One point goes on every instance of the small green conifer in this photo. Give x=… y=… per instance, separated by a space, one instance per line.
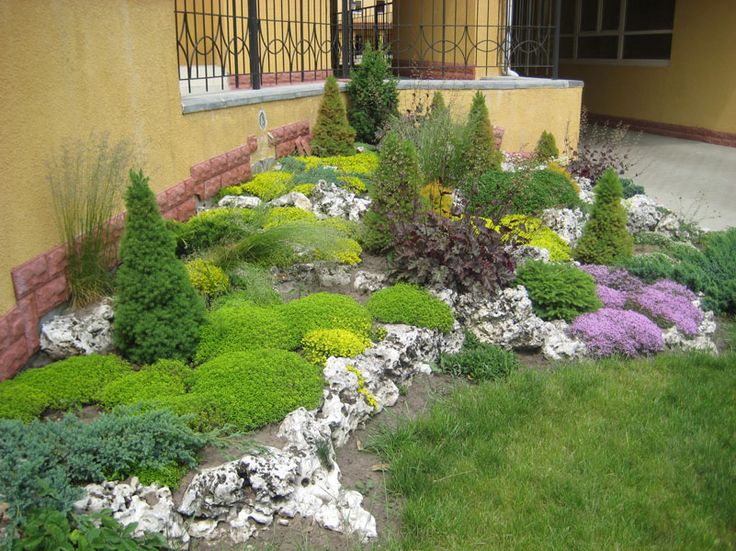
x=332 y=135
x=479 y=153
x=546 y=149
x=606 y=240
x=157 y=311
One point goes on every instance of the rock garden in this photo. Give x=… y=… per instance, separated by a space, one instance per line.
x=308 y=298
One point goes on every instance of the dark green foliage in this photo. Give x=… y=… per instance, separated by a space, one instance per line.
x=558 y=291
x=372 y=94
x=211 y=228
x=326 y=311
x=292 y=164
x=76 y=381
x=479 y=361
x=169 y=475
x=522 y=192
x=332 y=134
x=463 y=255
x=245 y=327
x=630 y=188
x=650 y=267
x=546 y=149
x=478 y=153
x=49 y=530
x=410 y=305
x=157 y=311
x=160 y=380
x=652 y=238
x=395 y=192
x=41 y=461
x=314 y=175
x=606 y=240
x=250 y=389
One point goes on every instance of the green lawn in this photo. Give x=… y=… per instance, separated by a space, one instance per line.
x=608 y=455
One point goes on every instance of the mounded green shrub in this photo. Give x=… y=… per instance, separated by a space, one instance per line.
x=605 y=239
x=360 y=164
x=245 y=327
x=61 y=385
x=266 y=185
x=373 y=97
x=157 y=311
x=332 y=134
x=521 y=192
x=546 y=147
x=478 y=361
x=630 y=188
x=41 y=461
x=250 y=389
x=284 y=215
x=210 y=228
x=478 y=149
x=320 y=344
x=558 y=291
x=326 y=311
x=395 y=192
x=411 y=305
x=209 y=280
x=163 y=379
x=650 y=267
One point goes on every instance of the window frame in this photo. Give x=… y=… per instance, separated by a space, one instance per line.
x=621 y=33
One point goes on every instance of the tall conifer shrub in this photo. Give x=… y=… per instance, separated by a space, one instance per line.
x=157 y=311
x=332 y=134
x=478 y=153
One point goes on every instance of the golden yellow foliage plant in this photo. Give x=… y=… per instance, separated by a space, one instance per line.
x=553 y=166
x=439 y=198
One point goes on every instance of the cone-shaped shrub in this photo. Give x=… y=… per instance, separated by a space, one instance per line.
x=395 y=191
x=605 y=238
x=332 y=134
x=479 y=153
x=438 y=106
x=157 y=311
x=546 y=147
x=373 y=96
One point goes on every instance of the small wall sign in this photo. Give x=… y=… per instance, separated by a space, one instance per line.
x=262 y=120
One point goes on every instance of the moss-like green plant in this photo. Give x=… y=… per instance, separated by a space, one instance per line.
x=395 y=192
x=478 y=149
x=304 y=189
x=353 y=183
x=267 y=185
x=332 y=134
x=552 y=166
x=362 y=389
x=411 y=305
x=605 y=239
x=372 y=93
x=363 y=164
x=546 y=147
x=61 y=385
x=250 y=389
x=320 y=344
x=528 y=230
x=152 y=383
x=245 y=327
x=326 y=311
x=209 y=280
x=558 y=291
x=278 y=216
x=157 y=311
x=345 y=251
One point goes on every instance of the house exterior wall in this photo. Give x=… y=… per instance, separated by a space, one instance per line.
x=696 y=90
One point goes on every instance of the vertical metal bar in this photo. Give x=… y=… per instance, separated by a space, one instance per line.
x=334 y=39
x=302 y=42
x=556 y=45
x=346 y=17
x=234 y=53
x=253 y=39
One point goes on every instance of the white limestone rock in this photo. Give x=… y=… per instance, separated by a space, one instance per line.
x=675 y=339
x=333 y=275
x=292 y=199
x=644 y=213
x=331 y=201
x=560 y=345
x=368 y=282
x=505 y=319
x=524 y=253
x=88 y=331
x=567 y=223
x=586 y=189
x=239 y=202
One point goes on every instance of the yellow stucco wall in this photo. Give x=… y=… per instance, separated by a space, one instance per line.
x=523 y=114
x=697 y=88
x=72 y=67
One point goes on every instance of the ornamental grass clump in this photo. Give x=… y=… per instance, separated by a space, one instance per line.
x=332 y=133
x=558 y=291
x=211 y=228
x=410 y=305
x=479 y=361
x=610 y=331
x=157 y=311
x=606 y=239
x=669 y=303
x=320 y=344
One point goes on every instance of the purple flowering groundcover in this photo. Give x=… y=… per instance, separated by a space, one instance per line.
x=615 y=331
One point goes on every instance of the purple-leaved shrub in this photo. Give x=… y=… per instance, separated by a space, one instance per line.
x=614 y=331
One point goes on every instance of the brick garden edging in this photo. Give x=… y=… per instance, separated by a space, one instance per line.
x=292 y=138
x=41 y=284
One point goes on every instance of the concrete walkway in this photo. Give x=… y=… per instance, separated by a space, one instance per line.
x=694 y=179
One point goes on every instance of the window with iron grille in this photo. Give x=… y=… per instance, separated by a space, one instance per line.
x=617 y=30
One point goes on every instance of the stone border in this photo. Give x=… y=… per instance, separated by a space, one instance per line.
x=291 y=138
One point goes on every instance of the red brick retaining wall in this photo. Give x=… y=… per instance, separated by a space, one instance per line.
x=292 y=138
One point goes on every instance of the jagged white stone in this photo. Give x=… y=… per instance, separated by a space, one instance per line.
x=292 y=199
x=676 y=339
x=239 y=202
x=88 y=331
x=560 y=345
x=368 y=282
x=567 y=223
x=330 y=200
x=644 y=213
x=523 y=253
